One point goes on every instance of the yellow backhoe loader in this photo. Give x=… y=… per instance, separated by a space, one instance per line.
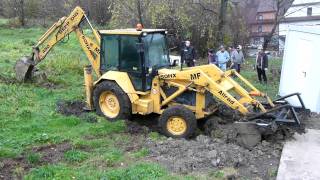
x=134 y=76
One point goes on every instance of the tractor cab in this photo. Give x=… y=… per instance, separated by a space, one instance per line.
x=140 y=53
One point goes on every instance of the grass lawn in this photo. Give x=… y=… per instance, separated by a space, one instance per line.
x=28 y=118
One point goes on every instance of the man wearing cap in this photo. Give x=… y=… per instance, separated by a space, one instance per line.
x=223 y=57
x=188 y=54
x=237 y=58
x=262 y=64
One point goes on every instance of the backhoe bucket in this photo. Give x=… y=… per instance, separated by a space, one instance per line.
x=24 y=69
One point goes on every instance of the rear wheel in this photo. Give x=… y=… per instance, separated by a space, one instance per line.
x=111 y=101
x=178 y=122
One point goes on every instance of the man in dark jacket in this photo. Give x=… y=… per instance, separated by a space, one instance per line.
x=262 y=64
x=188 y=54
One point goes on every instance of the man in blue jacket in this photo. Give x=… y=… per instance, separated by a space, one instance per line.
x=223 y=57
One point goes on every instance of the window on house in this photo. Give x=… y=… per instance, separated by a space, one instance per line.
x=260 y=17
x=309 y=11
x=260 y=28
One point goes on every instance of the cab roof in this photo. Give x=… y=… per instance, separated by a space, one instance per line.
x=130 y=31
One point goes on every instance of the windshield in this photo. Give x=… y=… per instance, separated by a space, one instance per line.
x=156 y=51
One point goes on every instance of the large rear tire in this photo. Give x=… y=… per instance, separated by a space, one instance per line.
x=111 y=101
x=178 y=122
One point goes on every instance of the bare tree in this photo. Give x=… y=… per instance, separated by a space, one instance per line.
x=281 y=7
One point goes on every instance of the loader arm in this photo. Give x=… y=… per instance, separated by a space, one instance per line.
x=62 y=29
x=220 y=84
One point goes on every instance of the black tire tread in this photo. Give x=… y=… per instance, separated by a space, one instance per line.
x=124 y=101
x=180 y=111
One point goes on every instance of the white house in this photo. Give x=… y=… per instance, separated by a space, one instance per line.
x=302 y=13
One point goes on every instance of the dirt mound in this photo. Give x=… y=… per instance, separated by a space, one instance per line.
x=76 y=108
x=69 y=108
x=205 y=154
x=15 y=168
x=133 y=127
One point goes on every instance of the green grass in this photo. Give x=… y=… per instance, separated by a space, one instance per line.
x=272 y=87
x=75 y=156
x=28 y=117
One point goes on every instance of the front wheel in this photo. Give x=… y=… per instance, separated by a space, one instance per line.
x=111 y=101
x=178 y=122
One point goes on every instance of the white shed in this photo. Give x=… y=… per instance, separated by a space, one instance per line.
x=301 y=66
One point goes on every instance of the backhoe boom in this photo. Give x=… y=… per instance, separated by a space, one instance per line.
x=61 y=29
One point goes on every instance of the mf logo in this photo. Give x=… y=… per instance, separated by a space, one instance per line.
x=195 y=76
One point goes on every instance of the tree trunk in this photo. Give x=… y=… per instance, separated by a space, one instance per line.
x=139 y=12
x=21 y=13
x=222 y=18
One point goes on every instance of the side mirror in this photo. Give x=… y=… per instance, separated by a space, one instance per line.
x=140 y=47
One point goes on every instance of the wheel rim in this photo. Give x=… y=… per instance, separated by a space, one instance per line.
x=109 y=104
x=176 y=125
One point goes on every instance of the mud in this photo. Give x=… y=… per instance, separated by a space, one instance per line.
x=44 y=84
x=135 y=128
x=204 y=154
x=219 y=149
x=7 y=80
x=16 y=168
x=74 y=108
x=313 y=122
x=52 y=153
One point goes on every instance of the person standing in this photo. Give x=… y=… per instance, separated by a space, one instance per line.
x=223 y=58
x=188 y=54
x=262 y=64
x=212 y=58
x=237 y=58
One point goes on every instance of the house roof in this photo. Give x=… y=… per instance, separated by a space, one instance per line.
x=301 y=19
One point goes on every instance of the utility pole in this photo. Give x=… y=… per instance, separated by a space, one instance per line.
x=222 y=20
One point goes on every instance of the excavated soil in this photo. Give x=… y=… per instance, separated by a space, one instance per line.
x=15 y=168
x=205 y=154
x=313 y=122
x=74 y=108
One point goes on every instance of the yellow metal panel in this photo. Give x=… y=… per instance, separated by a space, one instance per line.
x=123 y=80
x=200 y=104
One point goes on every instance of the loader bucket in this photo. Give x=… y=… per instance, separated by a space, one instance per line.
x=24 y=69
x=248 y=134
x=281 y=115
